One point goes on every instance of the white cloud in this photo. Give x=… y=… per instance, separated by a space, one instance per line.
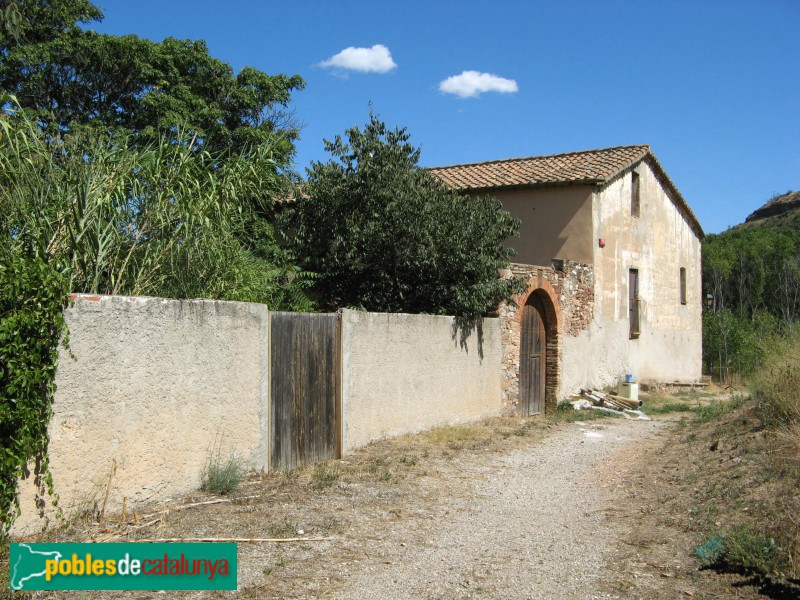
x=377 y=59
x=474 y=83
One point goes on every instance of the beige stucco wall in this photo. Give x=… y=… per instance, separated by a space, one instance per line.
x=407 y=373
x=657 y=243
x=556 y=223
x=153 y=385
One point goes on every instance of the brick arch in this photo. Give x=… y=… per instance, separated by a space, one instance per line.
x=544 y=290
x=547 y=292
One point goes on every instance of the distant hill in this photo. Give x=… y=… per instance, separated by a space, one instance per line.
x=781 y=213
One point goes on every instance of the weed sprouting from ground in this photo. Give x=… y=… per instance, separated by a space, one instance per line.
x=715 y=409
x=670 y=408
x=709 y=412
x=283 y=529
x=411 y=461
x=222 y=474
x=454 y=435
x=379 y=470
x=565 y=413
x=324 y=475
x=459 y=437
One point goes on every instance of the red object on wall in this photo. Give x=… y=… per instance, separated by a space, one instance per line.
x=602 y=243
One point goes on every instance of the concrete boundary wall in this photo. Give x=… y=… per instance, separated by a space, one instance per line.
x=153 y=387
x=407 y=373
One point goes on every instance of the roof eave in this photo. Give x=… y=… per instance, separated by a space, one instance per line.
x=536 y=185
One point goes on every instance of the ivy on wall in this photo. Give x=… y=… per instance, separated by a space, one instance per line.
x=33 y=296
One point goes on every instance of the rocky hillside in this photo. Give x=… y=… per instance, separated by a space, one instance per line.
x=782 y=212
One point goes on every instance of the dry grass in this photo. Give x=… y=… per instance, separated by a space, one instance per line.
x=719 y=475
x=790 y=443
x=737 y=481
x=776 y=384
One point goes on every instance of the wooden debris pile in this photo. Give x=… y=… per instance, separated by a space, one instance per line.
x=612 y=403
x=598 y=398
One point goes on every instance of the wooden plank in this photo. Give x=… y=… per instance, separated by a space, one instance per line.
x=305 y=395
x=525 y=351
x=533 y=353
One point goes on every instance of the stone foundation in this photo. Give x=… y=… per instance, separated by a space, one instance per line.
x=567 y=290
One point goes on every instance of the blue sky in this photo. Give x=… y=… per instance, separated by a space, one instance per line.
x=712 y=85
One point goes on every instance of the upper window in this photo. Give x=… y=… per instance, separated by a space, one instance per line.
x=634 y=193
x=683 y=285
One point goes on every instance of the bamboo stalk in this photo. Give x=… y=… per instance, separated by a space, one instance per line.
x=628 y=402
x=108 y=487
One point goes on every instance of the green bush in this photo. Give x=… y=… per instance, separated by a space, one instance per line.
x=746 y=549
x=33 y=296
x=730 y=340
x=222 y=475
x=385 y=235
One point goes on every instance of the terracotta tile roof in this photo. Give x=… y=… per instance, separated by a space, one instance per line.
x=588 y=167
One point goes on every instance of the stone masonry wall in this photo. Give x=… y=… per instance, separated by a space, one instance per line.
x=569 y=287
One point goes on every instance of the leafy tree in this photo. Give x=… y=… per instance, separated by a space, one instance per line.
x=754 y=277
x=752 y=270
x=68 y=76
x=717 y=268
x=385 y=235
x=733 y=341
x=787 y=286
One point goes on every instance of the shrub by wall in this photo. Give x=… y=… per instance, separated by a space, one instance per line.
x=33 y=296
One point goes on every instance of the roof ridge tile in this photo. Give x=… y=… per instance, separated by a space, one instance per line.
x=541 y=156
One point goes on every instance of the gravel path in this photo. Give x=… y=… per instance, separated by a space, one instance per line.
x=528 y=524
x=522 y=514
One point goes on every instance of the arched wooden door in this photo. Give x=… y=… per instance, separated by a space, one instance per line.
x=532 y=357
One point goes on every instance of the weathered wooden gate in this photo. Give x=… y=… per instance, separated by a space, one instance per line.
x=305 y=410
x=533 y=357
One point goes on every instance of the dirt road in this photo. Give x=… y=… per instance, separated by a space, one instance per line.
x=508 y=508
x=527 y=524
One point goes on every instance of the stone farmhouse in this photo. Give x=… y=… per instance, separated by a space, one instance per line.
x=612 y=253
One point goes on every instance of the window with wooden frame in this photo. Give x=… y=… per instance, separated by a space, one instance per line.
x=633 y=302
x=683 y=285
x=635 y=201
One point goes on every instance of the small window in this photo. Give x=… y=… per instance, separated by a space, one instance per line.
x=683 y=285
x=633 y=302
x=634 y=194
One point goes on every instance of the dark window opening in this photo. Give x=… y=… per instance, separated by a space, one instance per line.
x=633 y=302
x=683 y=285
x=634 y=193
